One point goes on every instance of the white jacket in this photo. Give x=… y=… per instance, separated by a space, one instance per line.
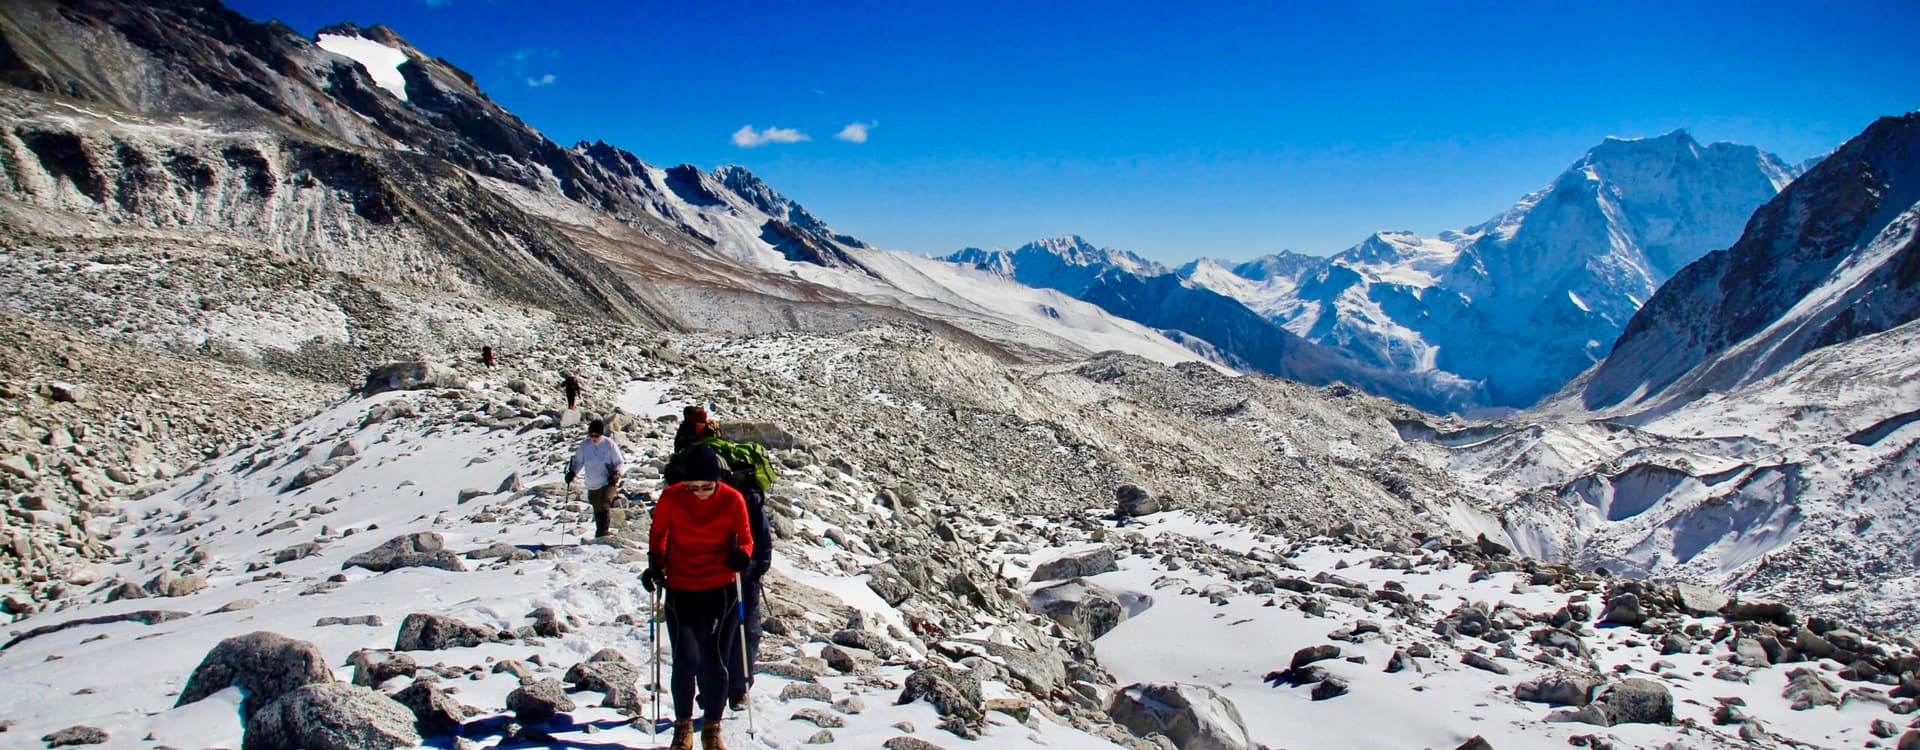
x=596 y=461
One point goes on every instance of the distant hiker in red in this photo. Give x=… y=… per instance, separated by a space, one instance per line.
x=694 y=425
x=699 y=543
x=599 y=457
x=571 y=386
x=486 y=355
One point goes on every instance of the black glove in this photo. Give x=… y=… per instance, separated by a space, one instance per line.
x=738 y=560
x=652 y=578
x=570 y=475
x=759 y=569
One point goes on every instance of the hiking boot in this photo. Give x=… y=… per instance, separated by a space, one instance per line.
x=682 y=735
x=737 y=702
x=710 y=737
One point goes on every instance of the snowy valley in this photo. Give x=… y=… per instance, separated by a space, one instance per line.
x=1024 y=498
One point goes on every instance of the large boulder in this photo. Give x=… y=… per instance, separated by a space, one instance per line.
x=1558 y=689
x=422 y=550
x=951 y=692
x=374 y=666
x=539 y=701
x=609 y=673
x=1773 y=612
x=1699 y=601
x=264 y=665
x=1807 y=689
x=1129 y=500
x=428 y=632
x=1194 y=717
x=1042 y=675
x=333 y=716
x=411 y=376
x=1080 y=605
x=313 y=474
x=1635 y=701
x=1625 y=609
x=435 y=711
x=171 y=584
x=1077 y=565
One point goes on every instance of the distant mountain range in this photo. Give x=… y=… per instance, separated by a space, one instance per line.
x=1495 y=315
x=1757 y=424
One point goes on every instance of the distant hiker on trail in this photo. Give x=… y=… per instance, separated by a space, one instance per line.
x=571 y=386
x=693 y=426
x=599 y=457
x=699 y=544
x=486 y=356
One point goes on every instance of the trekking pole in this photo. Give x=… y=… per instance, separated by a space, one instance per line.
x=653 y=635
x=746 y=669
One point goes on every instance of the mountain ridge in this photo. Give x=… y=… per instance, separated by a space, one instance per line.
x=1579 y=255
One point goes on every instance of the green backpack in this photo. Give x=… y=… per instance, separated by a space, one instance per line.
x=748 y=464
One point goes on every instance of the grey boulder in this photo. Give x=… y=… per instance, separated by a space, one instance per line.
x=264 y=665
x=539 y=701
x=427 y=632
x=422 y=550
x=411 y=376
x=1077 y=565
x=1635 y=701
x=1080 y=605
x=333 y=716
x=1194 y=717
x=1558 y=689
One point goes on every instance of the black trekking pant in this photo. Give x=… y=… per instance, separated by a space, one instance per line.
x=741 y=675
x=602 y=502
x=702 y=626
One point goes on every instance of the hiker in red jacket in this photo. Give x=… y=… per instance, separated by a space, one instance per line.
x=699 y=543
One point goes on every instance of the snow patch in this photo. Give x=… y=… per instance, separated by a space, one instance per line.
x=381 y=61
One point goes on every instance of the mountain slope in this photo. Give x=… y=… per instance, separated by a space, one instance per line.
x=1833 y=258
x=368 y=158
x=1522 y=303
x=1757 y=425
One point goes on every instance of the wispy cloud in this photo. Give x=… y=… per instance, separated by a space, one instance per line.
x=747 y=137
x=545 y=80
x=855 y=132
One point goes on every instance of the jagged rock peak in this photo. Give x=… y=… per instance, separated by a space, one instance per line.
x=749 y=186
x=1284 y=264
x=744 y=183
x=1077 y=251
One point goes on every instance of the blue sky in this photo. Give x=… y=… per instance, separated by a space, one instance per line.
x=1225 y=130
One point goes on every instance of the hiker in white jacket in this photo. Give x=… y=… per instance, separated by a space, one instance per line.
x=599 y=458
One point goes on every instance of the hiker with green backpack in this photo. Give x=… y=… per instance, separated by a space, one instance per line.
x=750 y=471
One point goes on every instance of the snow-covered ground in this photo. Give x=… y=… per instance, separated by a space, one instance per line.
x=1205 y=608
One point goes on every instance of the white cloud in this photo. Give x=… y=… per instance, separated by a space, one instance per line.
x=545 y=80
x=855 y=132
x=745 y=137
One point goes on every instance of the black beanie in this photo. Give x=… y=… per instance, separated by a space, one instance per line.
x=705 y=466
x=596 y=427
